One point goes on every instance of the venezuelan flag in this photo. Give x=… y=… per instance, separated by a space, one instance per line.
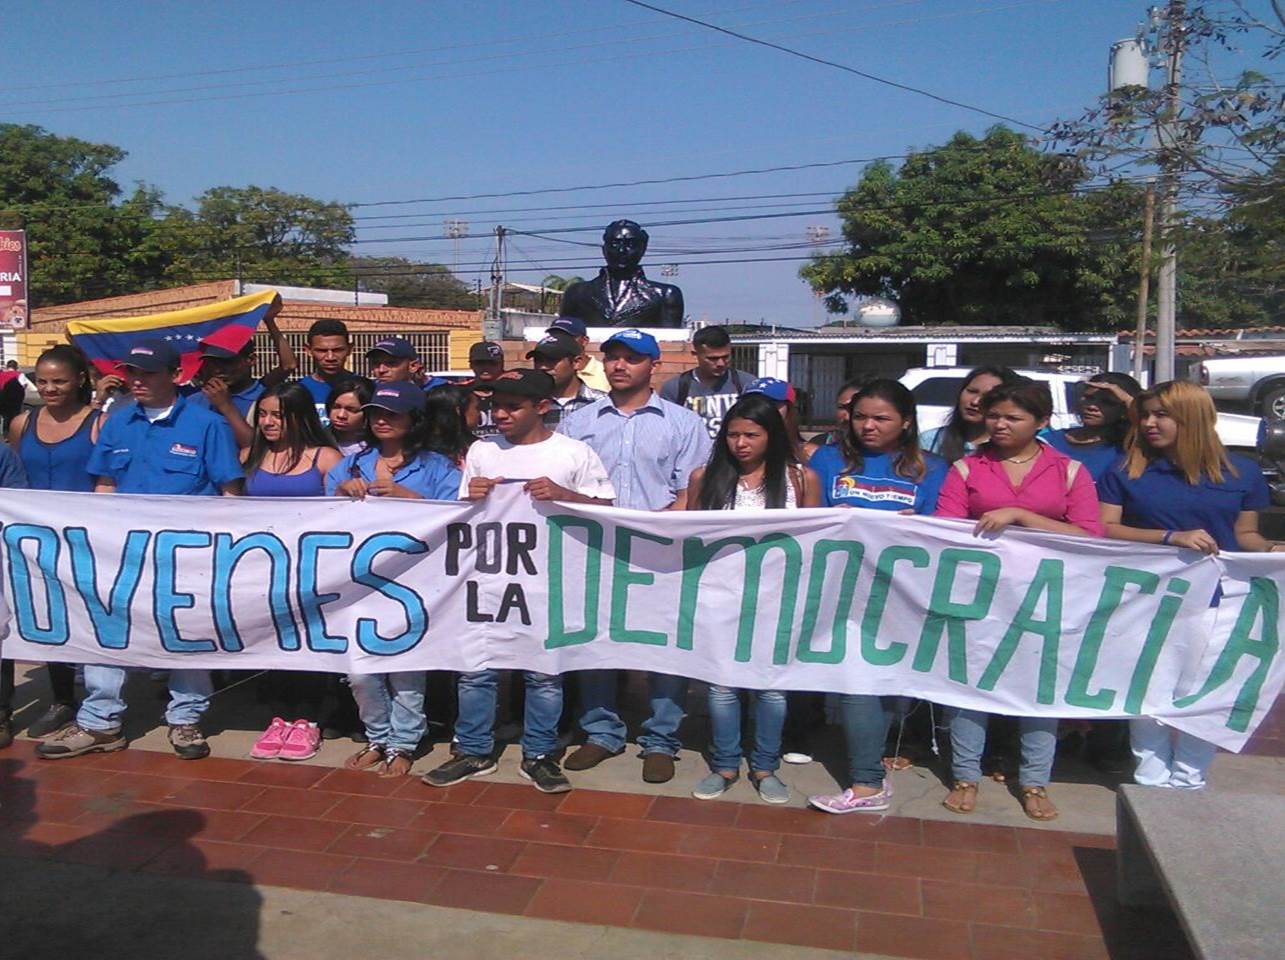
x=227 y=323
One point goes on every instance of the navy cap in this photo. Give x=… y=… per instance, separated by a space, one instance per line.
x=556 y=346
x=401 y=396
x=152 y=356
x=523 y=383
x=572 y=325
x=399 y=348
x=637 y=341
x=772 y=388
x=485 y=351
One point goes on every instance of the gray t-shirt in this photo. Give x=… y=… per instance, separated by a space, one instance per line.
x=709 y=403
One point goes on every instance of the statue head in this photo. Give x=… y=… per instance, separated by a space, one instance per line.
x=623 y=245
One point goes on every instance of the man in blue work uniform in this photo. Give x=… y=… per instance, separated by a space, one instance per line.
x=158 y=443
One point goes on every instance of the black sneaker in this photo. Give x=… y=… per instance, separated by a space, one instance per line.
x=545 y=775
x=188 y=741
x=458 y=769
x=55 y=718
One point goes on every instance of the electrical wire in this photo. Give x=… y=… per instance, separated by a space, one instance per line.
x=838 y=66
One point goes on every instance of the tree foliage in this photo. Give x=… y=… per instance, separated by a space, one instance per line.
x=88 y=239
x=412 y=284
x=988 y=231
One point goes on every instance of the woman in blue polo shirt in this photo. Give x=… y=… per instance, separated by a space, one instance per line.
x=54 y=444
x=1178 y=486
x=1098 y=442
x=877 y=465
x=394 y=463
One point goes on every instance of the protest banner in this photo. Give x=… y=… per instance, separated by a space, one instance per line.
x=832 y=600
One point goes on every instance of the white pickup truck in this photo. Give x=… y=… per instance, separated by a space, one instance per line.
x=1255 y=380
x=936 y=389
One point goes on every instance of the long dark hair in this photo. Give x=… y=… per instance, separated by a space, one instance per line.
x=909 y=458
x=418 y=439
x=953 y=442
x=1114 y=431
x=301 y=427
x=451 y=436
x=718 y=490
x=75 y=361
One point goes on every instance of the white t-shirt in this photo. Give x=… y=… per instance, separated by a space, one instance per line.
x=566 y=461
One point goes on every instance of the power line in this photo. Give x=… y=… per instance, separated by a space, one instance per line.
x=838 y=66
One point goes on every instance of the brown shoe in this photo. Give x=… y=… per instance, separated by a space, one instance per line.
x=588 y=756
x=658 y=768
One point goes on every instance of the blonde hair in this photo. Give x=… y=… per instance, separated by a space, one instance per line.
x=1197 y=451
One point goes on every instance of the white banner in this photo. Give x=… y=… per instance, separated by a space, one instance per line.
x=834 y=600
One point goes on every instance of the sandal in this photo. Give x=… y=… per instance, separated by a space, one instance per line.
x=1037 y=805
x=367 y=758
x=396 y=764
x=962 y=797
x=897 y=763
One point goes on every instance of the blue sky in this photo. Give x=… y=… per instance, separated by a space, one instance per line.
x=363 y=102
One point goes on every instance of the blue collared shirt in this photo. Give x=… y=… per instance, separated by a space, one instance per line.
x=649 y=454
x=243 y=400
x=188 y=452
x=430 y=474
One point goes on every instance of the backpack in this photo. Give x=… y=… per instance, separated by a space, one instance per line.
x=687 y=377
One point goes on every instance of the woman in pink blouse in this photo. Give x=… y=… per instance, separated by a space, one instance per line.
x=1015 y=479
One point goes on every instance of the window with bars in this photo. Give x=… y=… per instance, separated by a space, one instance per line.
x=433 y=347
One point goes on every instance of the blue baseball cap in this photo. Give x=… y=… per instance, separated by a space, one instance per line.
x=637 y=341
x=572 y=325
x=772 y=388
x=152 y=356
x=399 y=348
x=401 y=396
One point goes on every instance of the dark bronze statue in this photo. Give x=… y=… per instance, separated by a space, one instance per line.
x=621 y=295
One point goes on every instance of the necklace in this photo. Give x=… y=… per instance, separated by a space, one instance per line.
x=1014 y=460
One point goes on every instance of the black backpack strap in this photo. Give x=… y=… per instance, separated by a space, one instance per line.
x=684 y=386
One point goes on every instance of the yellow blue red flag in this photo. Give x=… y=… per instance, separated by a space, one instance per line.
x=226 y=323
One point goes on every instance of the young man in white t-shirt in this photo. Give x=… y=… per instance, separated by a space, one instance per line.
x=550 y=466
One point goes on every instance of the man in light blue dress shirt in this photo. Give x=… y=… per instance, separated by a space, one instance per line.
x=650 y=447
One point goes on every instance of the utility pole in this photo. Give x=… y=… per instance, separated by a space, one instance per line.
x=1144 y=283
x=493 y=329
x=1170 y=162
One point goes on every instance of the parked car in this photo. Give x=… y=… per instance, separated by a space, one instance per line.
x=1255 y=380
x=936 y=389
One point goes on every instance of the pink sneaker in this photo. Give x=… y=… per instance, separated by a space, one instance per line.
x=302 y=741
x=268 y=746
x=847 y=802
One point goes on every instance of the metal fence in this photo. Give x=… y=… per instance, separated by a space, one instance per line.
x=433 y=346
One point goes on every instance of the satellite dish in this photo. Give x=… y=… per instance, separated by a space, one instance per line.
x=878 y=312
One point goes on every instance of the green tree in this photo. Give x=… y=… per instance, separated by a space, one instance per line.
x=82 y=242
x=987 y=231
x=412 y=284
x=258 y=233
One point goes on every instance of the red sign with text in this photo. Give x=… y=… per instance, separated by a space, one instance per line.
x=13 y=279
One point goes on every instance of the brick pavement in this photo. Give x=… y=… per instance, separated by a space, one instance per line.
x=888 y=885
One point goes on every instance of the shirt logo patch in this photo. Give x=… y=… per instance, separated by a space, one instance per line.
x=849 y=487
x=183 y=450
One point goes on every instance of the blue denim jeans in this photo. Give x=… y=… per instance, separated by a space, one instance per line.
x=968 y=740
x=1167 y=757
x=391 y=707
x=725 y=729
x=103 y=708
x=603 y=726
x=475 y=725
x=865 y=730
